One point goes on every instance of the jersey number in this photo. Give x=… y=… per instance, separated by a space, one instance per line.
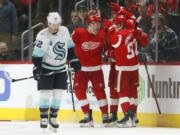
x=59 y=50
x=39 y=43
x=132 y=49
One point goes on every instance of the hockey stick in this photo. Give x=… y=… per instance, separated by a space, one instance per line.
x=153 y=91
x=26 y=78
x=105 y=38
x=149 y=79
x=71 y=88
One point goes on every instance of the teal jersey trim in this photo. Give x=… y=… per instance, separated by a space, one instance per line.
x=74 y=60
x=53 y=68
x=38 y=52
x=70 y=43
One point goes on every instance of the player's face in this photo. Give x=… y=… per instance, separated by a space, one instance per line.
x=53 y=28
x=96 y=27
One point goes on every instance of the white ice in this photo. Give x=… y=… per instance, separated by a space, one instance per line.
x=32 y=128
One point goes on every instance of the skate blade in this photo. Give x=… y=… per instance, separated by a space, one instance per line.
x=86 y=125
x=113 y=124
x=125 y=125
x=134 y=125
x=44 y=130
x=106 y=125
x=52 y=129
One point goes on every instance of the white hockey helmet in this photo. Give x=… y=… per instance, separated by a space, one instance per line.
x=54 y=18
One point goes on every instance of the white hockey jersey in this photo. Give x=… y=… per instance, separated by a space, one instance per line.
x=53 y=48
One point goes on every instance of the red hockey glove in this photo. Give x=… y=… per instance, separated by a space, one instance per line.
x=130 y=24
x=138 y=34
x=108 y=25
x=116 y=9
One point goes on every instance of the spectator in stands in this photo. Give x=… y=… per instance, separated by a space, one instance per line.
x=82 y=13
x=4 y=55
x=75 y=21
x=168 y=46
x=8 y=23
x=3 y=48
x=145 y=23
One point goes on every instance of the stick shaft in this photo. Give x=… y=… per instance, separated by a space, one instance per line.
x=153 y=91
x=50 y=73
x=72 y=97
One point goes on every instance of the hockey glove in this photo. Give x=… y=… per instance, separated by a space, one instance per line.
x=116 y=9
x=36 y=73
x=108 y=25
x=130 y=24
x=138 y=34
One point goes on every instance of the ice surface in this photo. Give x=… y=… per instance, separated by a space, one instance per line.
x=32 y=128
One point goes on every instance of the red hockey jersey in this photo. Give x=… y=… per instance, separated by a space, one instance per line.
x=125 y=44
x=88 y=47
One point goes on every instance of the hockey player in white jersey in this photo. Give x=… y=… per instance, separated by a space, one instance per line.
x=52 y=50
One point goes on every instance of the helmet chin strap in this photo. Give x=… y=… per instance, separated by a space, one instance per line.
x=91 y=29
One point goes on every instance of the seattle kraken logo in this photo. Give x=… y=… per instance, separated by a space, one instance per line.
x=59 y=50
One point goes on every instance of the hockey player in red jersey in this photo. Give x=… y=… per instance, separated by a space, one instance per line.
x=129 y=22
x=114 y=99
x=126 y=55
x=88 y=46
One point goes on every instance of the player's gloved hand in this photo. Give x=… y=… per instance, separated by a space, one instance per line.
x=116 y=9
x=108 y=25
x=130 y=24
x=138 y=34
x=36 y=73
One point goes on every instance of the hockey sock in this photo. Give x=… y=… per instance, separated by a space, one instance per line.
x=102 y=100
x=82 y=98
x=55 y=102
x=44 y=103
x=125 y=103
x=114 y=100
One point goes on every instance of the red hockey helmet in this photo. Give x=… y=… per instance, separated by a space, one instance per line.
x=120 y=19
x=93 y=18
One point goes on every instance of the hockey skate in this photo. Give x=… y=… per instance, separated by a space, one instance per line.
x=135 y=119
x=105 y=119
x=53 y=124
x=87 y=121
x=113 y=119
x=127 y=120
x=44 y=124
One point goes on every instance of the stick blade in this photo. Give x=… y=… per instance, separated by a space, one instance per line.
x=6 y=74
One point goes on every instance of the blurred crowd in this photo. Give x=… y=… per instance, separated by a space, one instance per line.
x=14 y=21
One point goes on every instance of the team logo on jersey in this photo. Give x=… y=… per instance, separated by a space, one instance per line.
x=59 y=50
x=86 y=46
